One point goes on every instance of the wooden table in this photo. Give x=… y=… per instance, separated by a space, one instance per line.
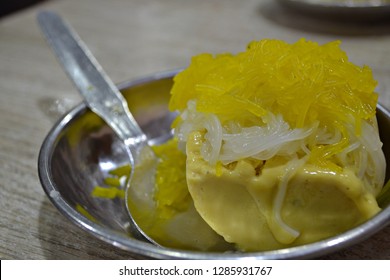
x=131 y=39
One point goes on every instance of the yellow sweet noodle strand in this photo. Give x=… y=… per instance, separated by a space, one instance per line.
x=171 y=192
x=304 y=82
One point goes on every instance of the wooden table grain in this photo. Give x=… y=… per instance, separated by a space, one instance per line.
x=131 y=39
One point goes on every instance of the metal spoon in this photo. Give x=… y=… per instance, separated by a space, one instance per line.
x=99 y=92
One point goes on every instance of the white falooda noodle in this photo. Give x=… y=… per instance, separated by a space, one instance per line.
x=232 y=142
x=264 y=142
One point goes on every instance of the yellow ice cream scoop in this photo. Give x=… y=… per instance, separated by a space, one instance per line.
x=249 y=204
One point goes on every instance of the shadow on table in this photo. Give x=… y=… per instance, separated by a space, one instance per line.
x=60 y=239
x=314 y=23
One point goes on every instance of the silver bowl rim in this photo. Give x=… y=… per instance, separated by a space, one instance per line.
x=348 y=5
x=122 y=241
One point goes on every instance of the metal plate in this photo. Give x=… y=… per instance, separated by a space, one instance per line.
x=356 y=10
x=80 y=149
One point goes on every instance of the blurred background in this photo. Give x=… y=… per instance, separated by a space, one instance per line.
x=10 y=7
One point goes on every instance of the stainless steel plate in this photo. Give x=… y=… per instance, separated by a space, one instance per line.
x=363 y=10
x=80 y=149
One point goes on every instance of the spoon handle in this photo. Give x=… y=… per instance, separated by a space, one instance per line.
x=99 y=92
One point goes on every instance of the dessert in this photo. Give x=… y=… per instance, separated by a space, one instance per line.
x=281 y=142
